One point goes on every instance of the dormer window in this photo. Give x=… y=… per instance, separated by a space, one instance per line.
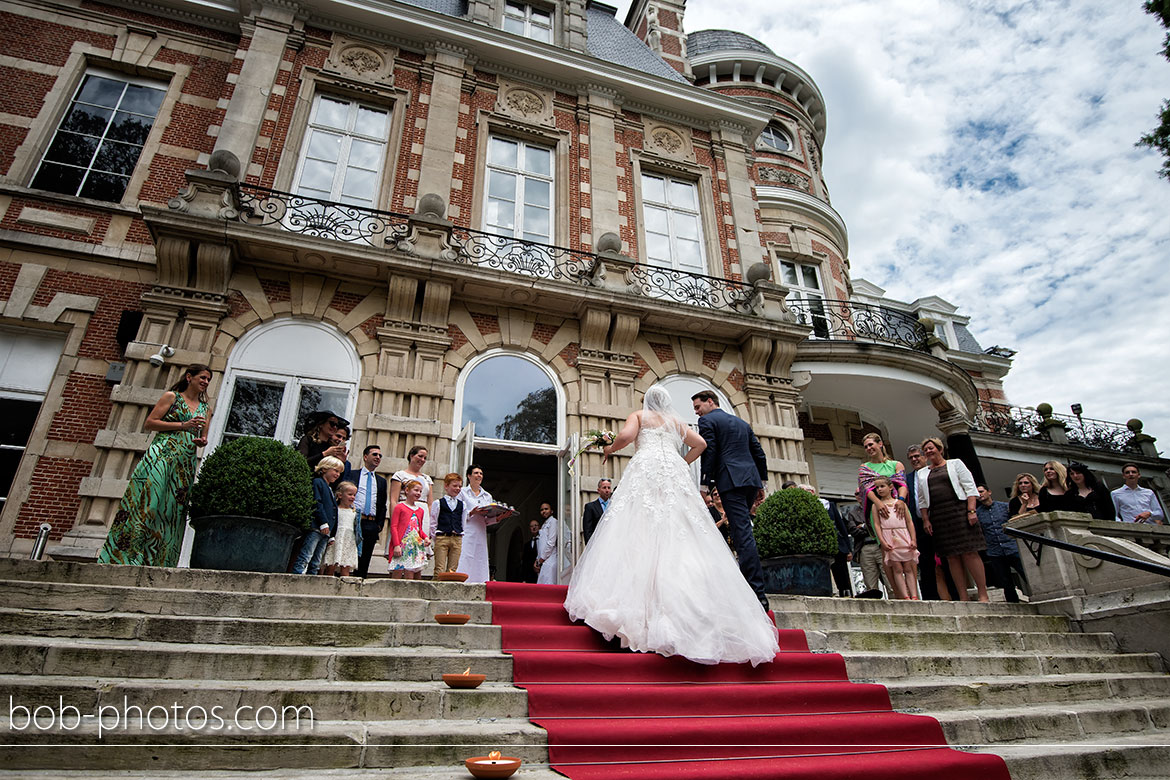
x=529 y=21
x=776 y=139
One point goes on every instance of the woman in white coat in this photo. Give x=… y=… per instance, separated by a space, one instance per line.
x=546 y=547
x=946 y=502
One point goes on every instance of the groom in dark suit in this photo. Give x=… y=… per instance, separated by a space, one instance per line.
x=735 y=464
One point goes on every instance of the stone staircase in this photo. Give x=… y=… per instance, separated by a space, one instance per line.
x=366 y=658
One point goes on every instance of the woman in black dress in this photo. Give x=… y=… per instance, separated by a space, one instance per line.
x=1025 y=498
x=1086 y=494
x=1054 y=494
x=946 y=501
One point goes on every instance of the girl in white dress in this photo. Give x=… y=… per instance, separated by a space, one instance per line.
x=343 y=548
x=656 y=572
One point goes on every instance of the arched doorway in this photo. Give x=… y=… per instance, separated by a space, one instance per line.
x=510 y=409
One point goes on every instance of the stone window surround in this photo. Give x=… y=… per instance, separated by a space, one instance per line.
x=791 y=128
x=641 y=160
x=489 y=124
x=558 y=384
x=44 y=127
x=314 y=83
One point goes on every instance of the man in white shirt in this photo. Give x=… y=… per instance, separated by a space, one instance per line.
x=546 y=547
x=1134 y=503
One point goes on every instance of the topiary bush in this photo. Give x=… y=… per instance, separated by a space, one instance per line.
x=794 y=522
x=255 y=477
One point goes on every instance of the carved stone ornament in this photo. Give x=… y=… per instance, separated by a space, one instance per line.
x=669 y=142
x=782 y=176
x=523 y=102
x=360 y=61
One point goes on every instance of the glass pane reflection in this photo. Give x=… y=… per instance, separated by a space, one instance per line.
x=510 y=398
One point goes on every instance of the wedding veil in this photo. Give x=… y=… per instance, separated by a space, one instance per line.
x=658 y=410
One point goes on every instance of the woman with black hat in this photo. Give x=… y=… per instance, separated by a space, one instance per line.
x=317 y=443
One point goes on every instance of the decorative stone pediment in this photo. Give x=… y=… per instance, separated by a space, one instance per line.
x=670 y=142
x=525 y=102
x=361 y=61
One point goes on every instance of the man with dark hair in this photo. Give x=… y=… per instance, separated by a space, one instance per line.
x=370 y=502
x=1134 y=503
x=1003 y=554
x=735 y=464
x=593 y=511
x=926 y=577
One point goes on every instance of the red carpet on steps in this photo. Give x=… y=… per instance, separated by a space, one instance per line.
x=612 y=714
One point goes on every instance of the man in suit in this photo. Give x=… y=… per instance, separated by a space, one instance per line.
x=735 y=464
x=370 y=502
x=596 y=508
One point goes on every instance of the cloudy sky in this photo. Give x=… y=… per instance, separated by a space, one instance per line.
x=983 y=151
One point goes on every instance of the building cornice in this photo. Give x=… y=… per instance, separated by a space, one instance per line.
x=782 y=197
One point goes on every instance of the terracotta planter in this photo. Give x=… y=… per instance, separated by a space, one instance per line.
x=452 y=620
x=798 y=575
x=237 y=543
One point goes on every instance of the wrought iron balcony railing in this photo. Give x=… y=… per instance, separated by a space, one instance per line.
x=849 y=321
x=1020 y=423
x=386 y=229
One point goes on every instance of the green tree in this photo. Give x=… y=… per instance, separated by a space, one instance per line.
x=1159 y=137
x=534 y=419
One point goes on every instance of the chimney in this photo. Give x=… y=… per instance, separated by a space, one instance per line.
x=659 y=24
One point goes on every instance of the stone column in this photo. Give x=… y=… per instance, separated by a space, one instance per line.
x=728 y=143
x=448 y=67
x=773 y=402
x=603 y=175
x=271 y=25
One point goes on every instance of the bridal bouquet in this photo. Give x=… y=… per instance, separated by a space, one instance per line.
x=593 y=439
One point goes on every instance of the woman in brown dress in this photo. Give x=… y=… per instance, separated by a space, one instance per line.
x=946 y=501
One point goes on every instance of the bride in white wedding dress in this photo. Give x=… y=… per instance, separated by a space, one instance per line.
x=656 y=573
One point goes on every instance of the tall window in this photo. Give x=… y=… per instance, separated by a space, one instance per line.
x=674 y=232
x=343 y=153
x=510 y=398
x=527 y=20
x=100 y=139
x=27 y=364
x=806 y=295
x=519 y=190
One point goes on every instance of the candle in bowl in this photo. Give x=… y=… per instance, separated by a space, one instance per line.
x=493 y=765
x=464 y=680
x=447 y=619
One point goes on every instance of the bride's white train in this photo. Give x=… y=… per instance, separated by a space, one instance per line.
x=656 y=573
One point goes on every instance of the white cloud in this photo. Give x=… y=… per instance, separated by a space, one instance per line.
x=984 y=153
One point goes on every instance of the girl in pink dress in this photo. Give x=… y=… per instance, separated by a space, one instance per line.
x=895 y=532
x=408 y=540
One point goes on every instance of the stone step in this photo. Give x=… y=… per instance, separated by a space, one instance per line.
x=915 y=622
x=1051 y=723
x=249 y=743
x=1133 y=758
x=1023 y=641
x=328 y=700
x=528 y=771
x=54 y=597
x=833 y=604
x=936 y=694
x=247 y=631
x=136 y=659
x=885 y=667
x=69 y=572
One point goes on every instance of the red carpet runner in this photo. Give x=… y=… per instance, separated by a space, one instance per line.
x=614 y=715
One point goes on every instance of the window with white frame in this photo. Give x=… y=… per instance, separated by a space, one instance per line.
x=28 y=362
x=806 y=295
x=673 y=223
x=775 y=139
x=343 y=152
x=528 y=20
x=100 y=138
x=519 y=198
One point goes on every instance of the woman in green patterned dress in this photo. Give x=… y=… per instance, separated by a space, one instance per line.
x=148 y=528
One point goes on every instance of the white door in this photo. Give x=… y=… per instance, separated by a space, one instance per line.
x=570 y=517
x=463 y=450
